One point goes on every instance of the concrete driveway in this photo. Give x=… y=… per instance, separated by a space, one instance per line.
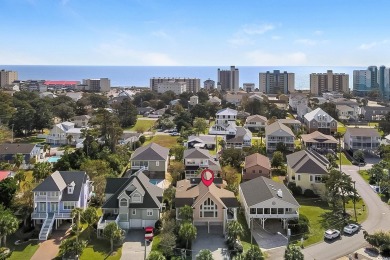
x=134 y=246
x=213 y=241
x=268 y=238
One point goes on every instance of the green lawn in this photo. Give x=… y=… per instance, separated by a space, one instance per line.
x=365 y=175
x=344 y=160
x=246 y=239
x=341 y=128
x=320 y=217
x=24 y=251
x=100 y=249
x=142 y=125
x=163 y=140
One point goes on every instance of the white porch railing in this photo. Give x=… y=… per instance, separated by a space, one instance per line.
x=102 y=223
x=39 y=215
x=65 y=215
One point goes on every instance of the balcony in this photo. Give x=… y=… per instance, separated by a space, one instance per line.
x=107 y=218
x=139 y=167
x=66 y=215
x=39 y=215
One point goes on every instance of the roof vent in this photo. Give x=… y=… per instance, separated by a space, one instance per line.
x=280 y=193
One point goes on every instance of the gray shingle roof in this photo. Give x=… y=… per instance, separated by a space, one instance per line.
x=151 y=152
x=276 y=126
x=353 y=131
x=59 y=181
x=307 y=162
x=196 y=153
x=256 y=118
x=152 y=194
x=16 y=148
x=261 y=189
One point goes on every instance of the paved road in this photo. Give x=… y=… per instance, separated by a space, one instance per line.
x=378 y=219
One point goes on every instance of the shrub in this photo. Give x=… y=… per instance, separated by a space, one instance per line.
x=299 y=226
x=296 y=190
x=309 y=193
x=158 y=225
x=142 y=139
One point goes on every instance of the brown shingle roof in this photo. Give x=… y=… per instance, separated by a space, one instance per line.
x=257 y=159
x=256 y=118
x=318 y=137
x=272 y=128
x=363 y=132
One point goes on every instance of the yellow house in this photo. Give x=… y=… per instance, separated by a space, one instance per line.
x=211 y=205
x=306 y=168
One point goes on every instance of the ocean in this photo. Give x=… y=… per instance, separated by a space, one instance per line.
x=127 y=76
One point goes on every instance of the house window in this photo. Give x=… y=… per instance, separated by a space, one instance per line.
x=134 y=212
x=260 y=171
x=318 y=178
x=208 y=209
x=41 y=193
x=149 y=212
x=298 y=177
x=68 y=205
x=123 y=202
x=136 y=198
x=311 y=177
x=280 y=210
x=253 y=211
x=266 y=211
x=274 y=211
x=259 y=210
x=115 y=211
x=157 y=163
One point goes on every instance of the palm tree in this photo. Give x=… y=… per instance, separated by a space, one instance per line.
x=187 y=232
x=8 y=224
x=338 y=136
x=18 y=159
x=90 y=216
x=186 y=213
x=293 y=253
x=204 y=254
x=76 y=215
x=112 y=232
x=235 y=229
x=41 y=171
x=19 y=177
x=69 y=138
x=156 y=255
x=254 y=253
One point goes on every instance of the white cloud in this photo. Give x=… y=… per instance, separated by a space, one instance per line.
x=253 y=29
x=261 y=58
x=237 y=41
x=118 y=54
x=367 y=46
x=309 y=42
x=276 y=37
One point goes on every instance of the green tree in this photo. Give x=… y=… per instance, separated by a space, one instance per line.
x=186 y=213
x=8 y=189
x=200 y=125
x=20 y=177
x=277 y=159
x=254 y=253
x=187 y=232
x=176 y=169
x=169 y=195
x=204 y=254
x=41 y=170
x=18 y=159
x=113 y=233
x=293 y=253
x=178 y=152
x=168 y=243
x=379 y=240
x=232 y=157
x=261 y=134
x=72 y=247
x=126 y=112
x=8 y=224
x=155 y=255
x=358 y=155
x=90 y=216
x=234 y=229
x=64 y=112
x=108 y=127
x=142 y=139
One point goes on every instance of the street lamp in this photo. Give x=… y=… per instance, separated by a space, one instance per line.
x=286 y=237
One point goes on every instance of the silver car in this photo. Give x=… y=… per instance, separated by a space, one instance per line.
x=351 y=228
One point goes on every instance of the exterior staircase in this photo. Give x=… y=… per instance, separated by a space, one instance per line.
x=47 y=227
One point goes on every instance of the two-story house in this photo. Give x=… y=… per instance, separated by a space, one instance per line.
x=302 y=110
x=131 y=202
x=212 y=206
x=225 y=122
x=256 y=165
x=319 y=141
x=279 y=133
x=81 y=121
x=242 y=138
x=346 y=112
x=255 y=122
x=201 y=141
x=57 y=196
x=292 y=123
x=306 y=169
x=347 y=108
x=367 y=139
x=319 y=120
x=376 y=113
x=29 y=151
x=263 y=198
x=152 y=157
x=297 y=99
x=64 y=133
x=195 y=159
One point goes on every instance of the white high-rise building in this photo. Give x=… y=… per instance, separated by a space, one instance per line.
x=175 y=87
x=97 y=85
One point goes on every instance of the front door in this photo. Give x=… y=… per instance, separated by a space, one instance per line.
x=54 y=207
x=42 y=207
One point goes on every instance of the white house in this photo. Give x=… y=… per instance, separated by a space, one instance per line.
x=59 y=134
x=195 y=159
x=361 y=139
x=346 y=112
x=263 y=199
x=256 y=122
x=297 y=99
x=279 y=133
x=242 y=138
x=225 y=122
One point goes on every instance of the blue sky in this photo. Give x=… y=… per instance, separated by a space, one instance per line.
x=189 y=33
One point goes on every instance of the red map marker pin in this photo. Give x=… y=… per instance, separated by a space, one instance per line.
x=207 y=179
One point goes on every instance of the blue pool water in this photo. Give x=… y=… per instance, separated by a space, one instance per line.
x=53 y=159
x=154 y=181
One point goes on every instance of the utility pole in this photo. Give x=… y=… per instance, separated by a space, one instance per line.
x=145 y=250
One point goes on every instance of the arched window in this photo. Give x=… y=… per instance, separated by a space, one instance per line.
x=208 y=209
x=123 y=202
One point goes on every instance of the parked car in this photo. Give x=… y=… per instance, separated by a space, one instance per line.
x=351 y=228
x=149 y=233
x=331 y=234
x=175 y=134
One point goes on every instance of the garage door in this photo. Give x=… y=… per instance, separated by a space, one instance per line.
x=149 y=223
x=124 y=225
x=135 y=223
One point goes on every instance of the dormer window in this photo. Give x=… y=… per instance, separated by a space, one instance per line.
x=123 y=202
x=71 y=187
x=136 y=198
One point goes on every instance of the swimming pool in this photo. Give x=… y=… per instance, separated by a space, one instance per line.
x=53 y=159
